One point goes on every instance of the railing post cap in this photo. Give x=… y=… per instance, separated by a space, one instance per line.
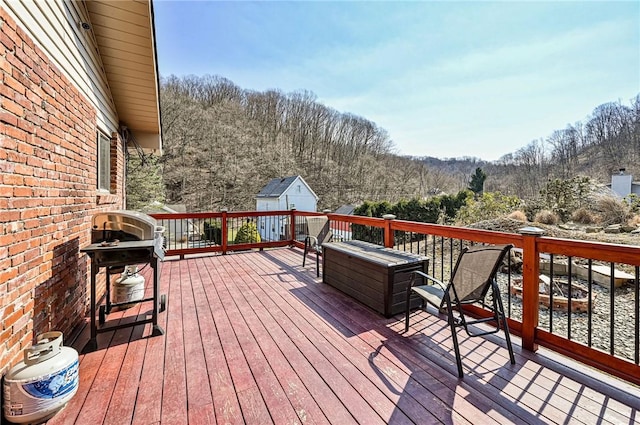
x=388 y=216
x=326 y=211
x=531 y=230
x=224 y=210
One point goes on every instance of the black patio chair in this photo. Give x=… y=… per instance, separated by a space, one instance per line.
x=318 y=232
x=472 y=278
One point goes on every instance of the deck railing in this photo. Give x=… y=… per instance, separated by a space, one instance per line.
x=601 y=279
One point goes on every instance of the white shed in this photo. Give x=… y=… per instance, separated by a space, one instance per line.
x=623 y=185
x=283 y=194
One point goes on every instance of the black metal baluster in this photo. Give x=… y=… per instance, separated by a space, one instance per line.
x=635 y=316
x=569 y=281
x=509 y=284
x=550 y=293
x=441 y=258
x=589 y=304
x=612 y=293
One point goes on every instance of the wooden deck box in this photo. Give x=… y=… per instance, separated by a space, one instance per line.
x=376 y=276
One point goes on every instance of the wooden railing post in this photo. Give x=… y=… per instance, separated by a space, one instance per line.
x=225 y=230
x=530 y=285
x=388 y=233
x=292 y=227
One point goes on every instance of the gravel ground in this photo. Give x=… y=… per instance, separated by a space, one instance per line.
x=624 y=313
x=624 y=323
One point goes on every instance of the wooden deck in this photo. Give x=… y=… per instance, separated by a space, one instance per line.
x=255 y=338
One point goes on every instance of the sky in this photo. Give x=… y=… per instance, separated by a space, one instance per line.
x=444 y=78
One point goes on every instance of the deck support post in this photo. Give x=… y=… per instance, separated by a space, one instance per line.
x=292 y=227
x=225 y=230
x=388 y=232
x=530 y=286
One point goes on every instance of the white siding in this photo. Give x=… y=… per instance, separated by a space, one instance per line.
x=55 y=28
x=298 y=195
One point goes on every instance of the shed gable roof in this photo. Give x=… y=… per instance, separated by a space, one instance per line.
x=275 y=188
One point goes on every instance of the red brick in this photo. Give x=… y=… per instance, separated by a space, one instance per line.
x=24 y=102
x=16 y=64
x=25 y=54
x=10 y=119
x=8 y=216
x=24 y=170
x=15 y=133
x=6 y=41
x=8 y=143
x=5 y=65
x=12 y=179
x=11 y=319
x=18 y=248
x=14 y=84
x=12 y=107
x=22 y=192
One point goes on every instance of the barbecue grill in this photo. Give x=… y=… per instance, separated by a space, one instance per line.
x=121 y=238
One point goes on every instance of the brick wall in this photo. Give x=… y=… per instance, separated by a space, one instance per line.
x=47 y=194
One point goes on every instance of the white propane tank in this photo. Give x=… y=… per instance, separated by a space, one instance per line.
x=129 y=287
x=40 y=385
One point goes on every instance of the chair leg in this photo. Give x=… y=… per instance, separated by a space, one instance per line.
x=407 y=310
x=505 y=323
x=454 y=336
x=306 y=249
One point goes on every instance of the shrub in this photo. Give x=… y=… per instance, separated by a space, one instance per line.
x=248 y=233
x=546 y=217
x=488 y=206
x=634 y=221
x=633 y=201
x=612 y=210
x=212 y=231
x=518 y=215
x=584 y=216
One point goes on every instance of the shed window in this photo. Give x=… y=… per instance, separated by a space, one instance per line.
x=104 y=162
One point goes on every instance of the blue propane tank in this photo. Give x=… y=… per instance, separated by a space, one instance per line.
x=40 y=385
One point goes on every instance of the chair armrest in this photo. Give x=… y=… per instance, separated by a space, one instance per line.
x=426 y=276
x=311 y=239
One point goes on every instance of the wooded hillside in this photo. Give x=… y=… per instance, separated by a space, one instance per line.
x=223 y=143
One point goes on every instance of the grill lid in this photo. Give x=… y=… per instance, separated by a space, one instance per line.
x=124 y=225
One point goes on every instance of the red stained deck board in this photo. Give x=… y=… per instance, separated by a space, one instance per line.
x=124 y=396
x=255 y=338
x=303 y=403
x=317 y=387
x=198 y=388
x=312 y=350
x=364 y=388
x=148 y=407
x=174 y=391
x=399 y=327
x=364 y=358
x=225 y=401
x=518 y=409
x=275 y=398
x=253 y=408
x=430 y=413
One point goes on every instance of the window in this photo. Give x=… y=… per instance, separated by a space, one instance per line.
x=104 y=162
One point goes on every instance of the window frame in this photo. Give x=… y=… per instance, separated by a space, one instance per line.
x=103 y=163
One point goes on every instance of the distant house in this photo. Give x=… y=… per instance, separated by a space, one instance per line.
x=180 y=230
x=346 y=209
x=341 y=228
x=622 y=184
x=283 y=194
